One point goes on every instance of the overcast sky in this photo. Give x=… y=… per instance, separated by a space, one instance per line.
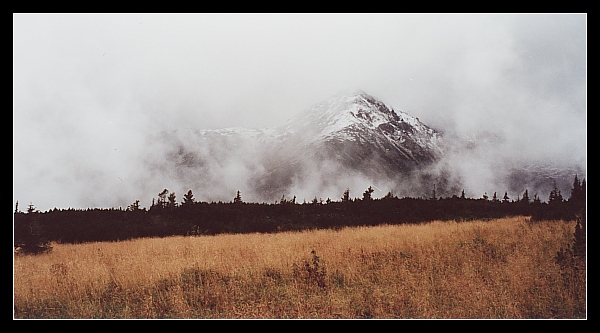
x=88 y=88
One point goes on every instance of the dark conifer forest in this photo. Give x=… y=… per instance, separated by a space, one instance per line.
x=35 y=230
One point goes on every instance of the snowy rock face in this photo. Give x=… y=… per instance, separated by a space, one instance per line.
x=348 y=140
x=365 y=135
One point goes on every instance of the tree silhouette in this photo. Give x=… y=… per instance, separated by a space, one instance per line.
x=172 y=200
x=578 y=195
x=162 y=198
x=505 y=198
x=188 y=198
x=495 y=198
x=367 y=194
x=238 y=198
x=29 y=234
x=555 y=196
x=346 y=197
x=134 y=207
x=31 y=208
x=525 y=198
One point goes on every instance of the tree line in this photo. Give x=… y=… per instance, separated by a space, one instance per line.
x=35 y=230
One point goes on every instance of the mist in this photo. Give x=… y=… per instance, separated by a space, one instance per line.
x=93 y=92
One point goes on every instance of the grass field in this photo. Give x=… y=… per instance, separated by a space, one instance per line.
x=504 y=268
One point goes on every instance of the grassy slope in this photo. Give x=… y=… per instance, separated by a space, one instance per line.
x=503 y=268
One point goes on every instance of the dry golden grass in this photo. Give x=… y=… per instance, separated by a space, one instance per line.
x=502 y=268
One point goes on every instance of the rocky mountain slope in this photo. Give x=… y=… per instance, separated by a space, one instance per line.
x=348 y=141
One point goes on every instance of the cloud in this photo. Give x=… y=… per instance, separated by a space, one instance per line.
x=87 y=84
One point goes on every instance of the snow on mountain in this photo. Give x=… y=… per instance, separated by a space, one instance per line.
x=348 y=140
x=347 y=134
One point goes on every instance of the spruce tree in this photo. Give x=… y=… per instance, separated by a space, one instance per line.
x=172 y=201
x=525 y=198
x=346 y=197
x=188 y=198
x=162 y=198
x=555 y=195
x=238 y=198
x=367 y=194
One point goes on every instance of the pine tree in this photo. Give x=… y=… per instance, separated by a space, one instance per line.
x=162 y=198
x=134 y=207
x=188 y=198
x=525 y=198
x=555 y=195
x=172 y=201
x=367 y=194
x=495 y=198
x=238 y=198
x=346 y=197
x=505 y=198
x=578 y=195
x=462 y=195
x=31 y=208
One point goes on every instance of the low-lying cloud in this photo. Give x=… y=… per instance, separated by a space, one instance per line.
x=89 y=89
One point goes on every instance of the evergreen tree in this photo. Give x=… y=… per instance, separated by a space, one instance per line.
x=172 y=201
x=29 y=236
x=462 y=195
x=31 y=209
x=134 y=207
x=555 y=195
x=495 y=198
x=162 y=198
x=346 y=197
x=525 y=198
x=578 y=195
x=505 y=198
x=367 y=194
x=576 y=190
x=433 y=197
x=579 y=245
x=238 y=197
x=188 y=198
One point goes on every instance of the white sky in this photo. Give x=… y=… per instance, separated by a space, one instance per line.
x=87 y=88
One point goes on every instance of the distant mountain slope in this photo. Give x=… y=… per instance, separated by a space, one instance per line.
x=350 y=140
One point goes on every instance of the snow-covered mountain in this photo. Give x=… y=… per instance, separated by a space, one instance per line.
x=361 y=134
x=349 y=135
x=351 y=140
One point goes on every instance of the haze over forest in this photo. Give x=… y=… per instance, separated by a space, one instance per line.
x=90 y=89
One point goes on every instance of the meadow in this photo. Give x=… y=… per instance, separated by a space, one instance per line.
x=499 y=268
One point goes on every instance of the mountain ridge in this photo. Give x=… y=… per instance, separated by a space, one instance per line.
x=349 y=140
